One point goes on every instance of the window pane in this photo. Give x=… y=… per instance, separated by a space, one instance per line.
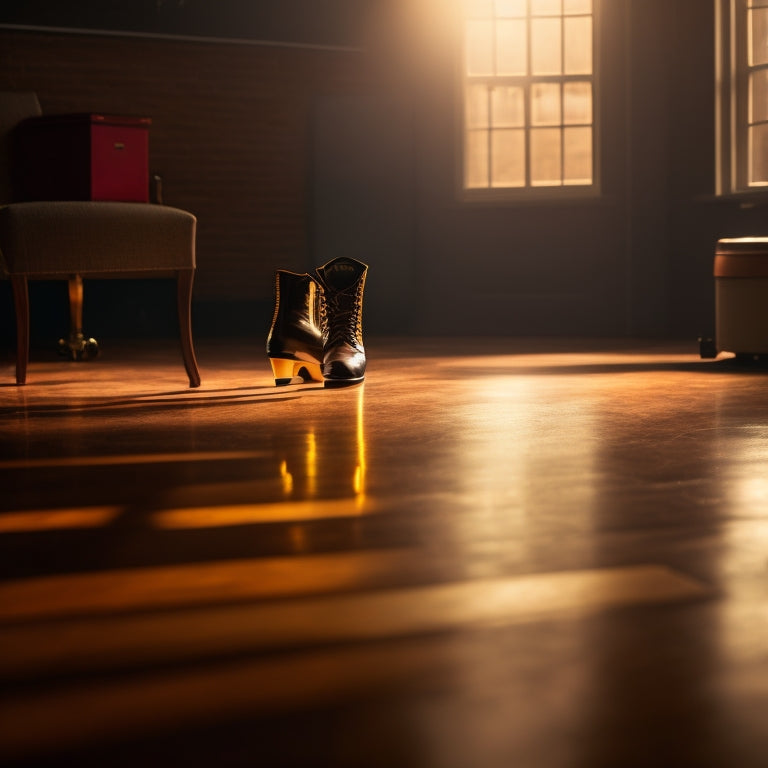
x=511 y=48
x=758 y=25
x=511 y=9
x=546 y=54
x=476 y=159
x=577 y=6
x=479 y=47
x=578 y=45
x=546 y=7
x=758 y=166
x=476 y=106
x=577 y=103
x=545 y=104
x=577 y=163
x=478 y=8
x=508 y=152
x=758 y=103
x=507 y=107
x=545 y=157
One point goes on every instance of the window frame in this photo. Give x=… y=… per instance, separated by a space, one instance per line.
x=530 y=192
x=732 y=118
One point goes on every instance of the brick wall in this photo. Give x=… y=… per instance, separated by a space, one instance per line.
x=231 y=133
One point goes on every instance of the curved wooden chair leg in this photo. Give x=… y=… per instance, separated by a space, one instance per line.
x=75 y=288
x=184 y=281
x=76 y=346
x=21 y=307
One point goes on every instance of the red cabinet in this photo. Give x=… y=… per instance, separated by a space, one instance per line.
x=83 y=157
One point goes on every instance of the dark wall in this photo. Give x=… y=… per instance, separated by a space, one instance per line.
x=696 y=217
x=637 y=260
x=556 y=267
x=230 y=136
x=532 y=268
x=330 y=22
x=290 y=154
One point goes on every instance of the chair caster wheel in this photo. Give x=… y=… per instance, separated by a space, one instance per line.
x=90 y=349
x=77 y=347
x=707 y=349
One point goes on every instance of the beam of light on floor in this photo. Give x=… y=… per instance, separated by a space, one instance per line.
x=176 y=586
x=129 y=459
x=248 y=514
x=209 y=628
x=57 y=519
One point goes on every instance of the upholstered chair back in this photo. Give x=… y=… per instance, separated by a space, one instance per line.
x=15 y=106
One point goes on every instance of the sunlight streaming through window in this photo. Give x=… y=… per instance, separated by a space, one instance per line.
x=529 y=102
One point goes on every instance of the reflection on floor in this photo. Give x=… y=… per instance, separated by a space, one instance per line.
x=497 y=554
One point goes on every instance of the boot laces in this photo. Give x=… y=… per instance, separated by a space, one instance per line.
x=340 y=316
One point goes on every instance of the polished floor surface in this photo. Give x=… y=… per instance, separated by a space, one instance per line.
x=497 y=554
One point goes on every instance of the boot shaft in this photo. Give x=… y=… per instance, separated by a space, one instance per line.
x=341 y=321
x=295 y=329
x=342 y=281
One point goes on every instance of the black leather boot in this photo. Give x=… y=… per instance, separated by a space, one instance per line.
x=341 y=312
x=294 y=343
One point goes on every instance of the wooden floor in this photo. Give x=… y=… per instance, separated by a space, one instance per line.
x=497 y=554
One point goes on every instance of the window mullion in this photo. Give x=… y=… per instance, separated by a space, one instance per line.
x=562 y=96
x=517 y=153
x=562 y=134
x=742 y=98
x=489 y=139
x=527 y=94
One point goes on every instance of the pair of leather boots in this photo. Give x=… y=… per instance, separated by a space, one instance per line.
x=316 y=332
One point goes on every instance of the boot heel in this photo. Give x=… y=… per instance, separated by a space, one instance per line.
x=286 y=371
x=313 y=370
x=295 y=342
x=283 y=370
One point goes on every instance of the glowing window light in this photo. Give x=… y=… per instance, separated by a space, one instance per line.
x=528 y=64
x=311 y=463
x=286 y=477
x=301 y=501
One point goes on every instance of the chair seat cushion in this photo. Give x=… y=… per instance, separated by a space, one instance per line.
x=88 y=237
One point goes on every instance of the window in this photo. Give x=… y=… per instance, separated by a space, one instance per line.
x=742 y=104
x=529 y=95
